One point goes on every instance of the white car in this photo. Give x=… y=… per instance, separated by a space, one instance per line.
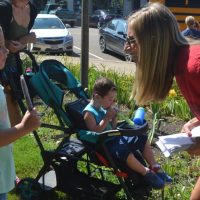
x=52 y=35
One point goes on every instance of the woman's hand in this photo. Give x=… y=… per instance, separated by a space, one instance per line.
x=29 y=38
x=195 y=148
x=14 y=46
x=190 y=125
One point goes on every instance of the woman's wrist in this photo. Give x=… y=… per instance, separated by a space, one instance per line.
x=194 y=121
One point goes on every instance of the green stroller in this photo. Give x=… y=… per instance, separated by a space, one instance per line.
x=54 y=85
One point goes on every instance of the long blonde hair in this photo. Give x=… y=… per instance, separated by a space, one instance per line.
x=158 y=38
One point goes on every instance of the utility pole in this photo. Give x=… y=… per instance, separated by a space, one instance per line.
x=84 y=43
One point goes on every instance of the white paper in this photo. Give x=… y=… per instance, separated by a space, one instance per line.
x=177 y=142
x=163 y=148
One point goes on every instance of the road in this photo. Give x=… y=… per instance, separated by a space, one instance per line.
x=96 y=57
x=94 y=50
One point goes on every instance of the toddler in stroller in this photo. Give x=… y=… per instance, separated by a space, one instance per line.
x=54 y=84
x=99 y=116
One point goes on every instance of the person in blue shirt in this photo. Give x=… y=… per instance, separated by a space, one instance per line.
x=191 y=30
x=9 y=134
x=100 y=115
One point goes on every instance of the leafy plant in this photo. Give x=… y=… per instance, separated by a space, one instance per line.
x=152 y=131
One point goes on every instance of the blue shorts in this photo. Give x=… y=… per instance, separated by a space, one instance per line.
x=121 y=147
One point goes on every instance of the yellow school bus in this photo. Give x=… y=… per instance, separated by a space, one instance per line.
x=182 y=8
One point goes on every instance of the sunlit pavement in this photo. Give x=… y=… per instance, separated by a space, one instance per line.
x=118 y=66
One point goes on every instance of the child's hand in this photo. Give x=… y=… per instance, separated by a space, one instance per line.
x=111 y=113
x=30 y=121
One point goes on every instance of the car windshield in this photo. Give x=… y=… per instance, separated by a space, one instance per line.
x=48 y=23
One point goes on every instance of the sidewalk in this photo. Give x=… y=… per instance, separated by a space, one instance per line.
x=118 y=66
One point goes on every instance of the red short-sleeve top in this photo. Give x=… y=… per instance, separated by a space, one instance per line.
x=188 y=76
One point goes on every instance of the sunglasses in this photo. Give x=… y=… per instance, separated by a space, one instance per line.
x=130 y=40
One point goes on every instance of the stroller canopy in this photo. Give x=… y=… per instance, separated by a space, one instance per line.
x=49 y=92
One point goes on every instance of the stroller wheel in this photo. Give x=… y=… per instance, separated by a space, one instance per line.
x=29 y=189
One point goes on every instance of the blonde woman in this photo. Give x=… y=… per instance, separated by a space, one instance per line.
x=162 y=54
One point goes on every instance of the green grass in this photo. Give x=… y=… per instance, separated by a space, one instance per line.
x=27 y=159
x=27 y=156
x=28 y=162
x=182 y=167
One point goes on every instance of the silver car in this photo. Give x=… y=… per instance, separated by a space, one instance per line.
x=52 y=35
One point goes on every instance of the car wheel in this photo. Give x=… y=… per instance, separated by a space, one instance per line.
x=128 y=57
x=72 y=24
x=69 y=53
x=102 y=44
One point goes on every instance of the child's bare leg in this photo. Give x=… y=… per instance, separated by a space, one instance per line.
x=135 y=165
x=196 y=191
x=149 y=157
x=148 y=154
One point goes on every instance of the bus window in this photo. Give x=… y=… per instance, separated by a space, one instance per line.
x=193 y=4
x=178 y=3
x=182 y=8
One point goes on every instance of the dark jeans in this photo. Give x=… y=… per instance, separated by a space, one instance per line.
x=121 y=147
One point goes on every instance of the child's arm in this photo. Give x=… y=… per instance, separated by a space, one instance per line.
x=91 y=122
x=30 y=122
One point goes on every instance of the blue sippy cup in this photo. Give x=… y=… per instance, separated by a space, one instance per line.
x=139 y=116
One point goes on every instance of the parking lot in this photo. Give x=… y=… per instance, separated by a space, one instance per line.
x=96 y=57
x=109 y=60
x=94 y=50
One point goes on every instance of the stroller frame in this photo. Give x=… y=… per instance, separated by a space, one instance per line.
x=72 y=150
